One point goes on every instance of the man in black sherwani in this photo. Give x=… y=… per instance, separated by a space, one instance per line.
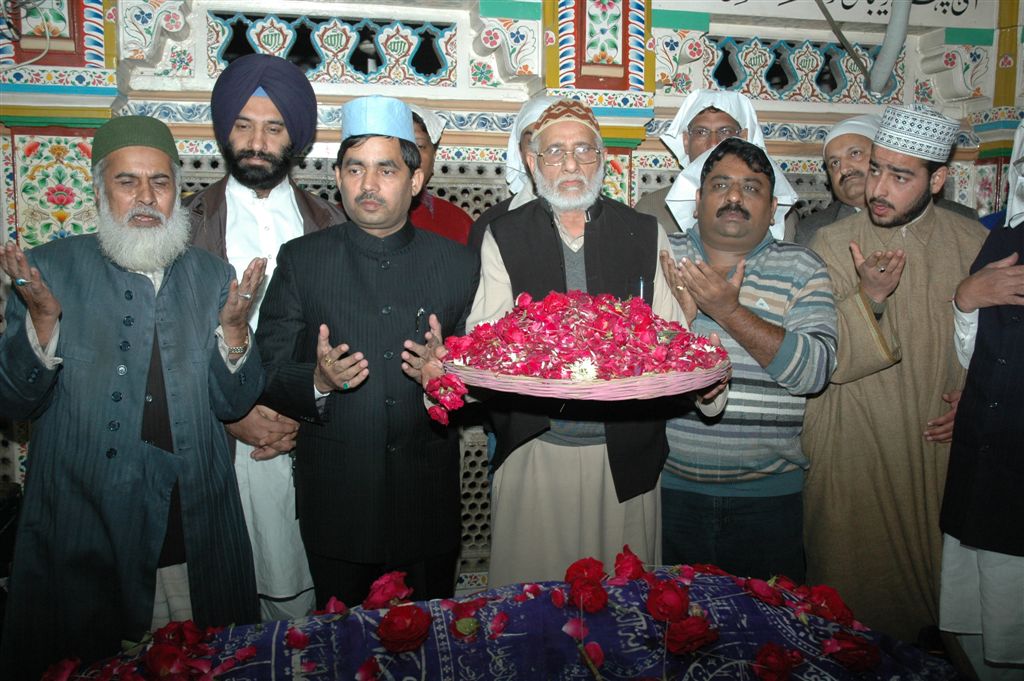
x=377 y=482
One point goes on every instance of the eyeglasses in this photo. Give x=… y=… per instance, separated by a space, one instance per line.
x=721 y=133
x=584 y=154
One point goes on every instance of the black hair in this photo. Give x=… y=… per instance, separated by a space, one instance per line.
x=751 y=154
x=410 y=152
x=417 y=120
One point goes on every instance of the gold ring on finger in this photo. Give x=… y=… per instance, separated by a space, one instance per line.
x=329 y=361
x=680 y=287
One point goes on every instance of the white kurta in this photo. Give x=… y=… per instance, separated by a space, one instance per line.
x=257 y=228
x=551 y=504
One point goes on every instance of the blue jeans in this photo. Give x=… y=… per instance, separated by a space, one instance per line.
x=747 y=536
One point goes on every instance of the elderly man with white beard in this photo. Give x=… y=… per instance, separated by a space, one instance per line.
x=127 y=348
x=572 y=478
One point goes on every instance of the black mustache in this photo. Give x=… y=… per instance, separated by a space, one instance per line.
x=733 y=207
x=855 y=173
x=262 y=155
x=882 y=202
x=367 y=196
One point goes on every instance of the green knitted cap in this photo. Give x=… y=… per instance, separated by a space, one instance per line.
x=132 y=131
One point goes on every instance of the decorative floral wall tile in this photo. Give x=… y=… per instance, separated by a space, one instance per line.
x=141 y=22
x=603 y=30
x=54 y=184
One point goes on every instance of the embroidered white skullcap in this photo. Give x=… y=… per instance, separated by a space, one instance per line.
x=917 y=131
x=733 y=103
x=1015 y=202
x=865 y=126
x=435 y=124
x=516 y=174
x=376 y=115
x=682 y=197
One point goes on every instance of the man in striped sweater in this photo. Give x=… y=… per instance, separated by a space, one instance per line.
x=731 y=491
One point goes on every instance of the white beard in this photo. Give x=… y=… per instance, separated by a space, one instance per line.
x=571 y=201
x=143 y=249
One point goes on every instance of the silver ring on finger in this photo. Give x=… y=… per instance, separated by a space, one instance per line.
x=881 y=268
x=20 y=281
x=247 y=296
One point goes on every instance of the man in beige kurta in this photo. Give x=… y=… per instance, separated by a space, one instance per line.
x=877 y=438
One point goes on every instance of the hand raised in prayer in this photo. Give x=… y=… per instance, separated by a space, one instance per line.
x=335 y=370
x=997 y=283
x=941 y=428
x=234 y=316
x=424 y=362
x=879 y=272
x=42 y=305
x=671 y=271
x=716 y=296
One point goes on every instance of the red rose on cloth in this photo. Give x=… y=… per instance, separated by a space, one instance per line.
x=558 y=597
x=668 y=601
x=333 y=607
x=368 y=670
x=775 y=663
x=830 y=605
x=243 y=654
x=762 y=590
x=166 y=659
x=61 y=671
x=585 y=568
x=689 y=634
x=783 y=582
x=588 y=594
x=856 y=653
x=404 y=628
x=296 y=639
x=595 y=653
x=709 y=569
x=628 y=565
x=387 y=590
x=497 y=626
x=468 y=608
x=576 y=628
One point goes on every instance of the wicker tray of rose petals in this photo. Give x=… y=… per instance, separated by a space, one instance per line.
x=576 y=346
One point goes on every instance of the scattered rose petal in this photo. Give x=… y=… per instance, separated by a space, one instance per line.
x=576 y=628
x=296 y=639
x=594 y=652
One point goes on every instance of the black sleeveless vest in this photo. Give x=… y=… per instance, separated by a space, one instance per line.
x=621 y=247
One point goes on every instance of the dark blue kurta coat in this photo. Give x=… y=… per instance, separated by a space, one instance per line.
x=96 y=496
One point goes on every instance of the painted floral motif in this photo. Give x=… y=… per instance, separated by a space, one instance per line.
x=924 y=92
x=178 y=63
x=55 y=183
x=141 y=21
x=51 y=16
x=491 y=38
x=481 y=74
x=604 y=18
x=1006 y=61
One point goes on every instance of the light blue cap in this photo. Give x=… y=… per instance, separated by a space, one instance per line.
x=376 y=115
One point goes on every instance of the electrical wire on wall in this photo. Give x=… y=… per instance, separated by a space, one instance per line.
x=8 y=30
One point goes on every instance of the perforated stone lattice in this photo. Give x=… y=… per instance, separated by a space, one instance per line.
x=473 y=186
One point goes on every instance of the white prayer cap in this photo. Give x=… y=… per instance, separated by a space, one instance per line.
x=917 y=131
x=732 y=103
x=865 y=126
x=516 y=173
x=434 y=123
x=682 y=197
x=376 y=115
x=1015 y=202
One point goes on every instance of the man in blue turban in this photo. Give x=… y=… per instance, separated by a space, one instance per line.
x=264 y=117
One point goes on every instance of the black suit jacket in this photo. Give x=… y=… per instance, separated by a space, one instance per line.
x=376 y=479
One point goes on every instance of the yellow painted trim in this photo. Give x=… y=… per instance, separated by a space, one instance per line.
x=550 y=23
x=109 y=36
x=55 y=112
x=650 y=63
x=1007 y=44
x=624 y=132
